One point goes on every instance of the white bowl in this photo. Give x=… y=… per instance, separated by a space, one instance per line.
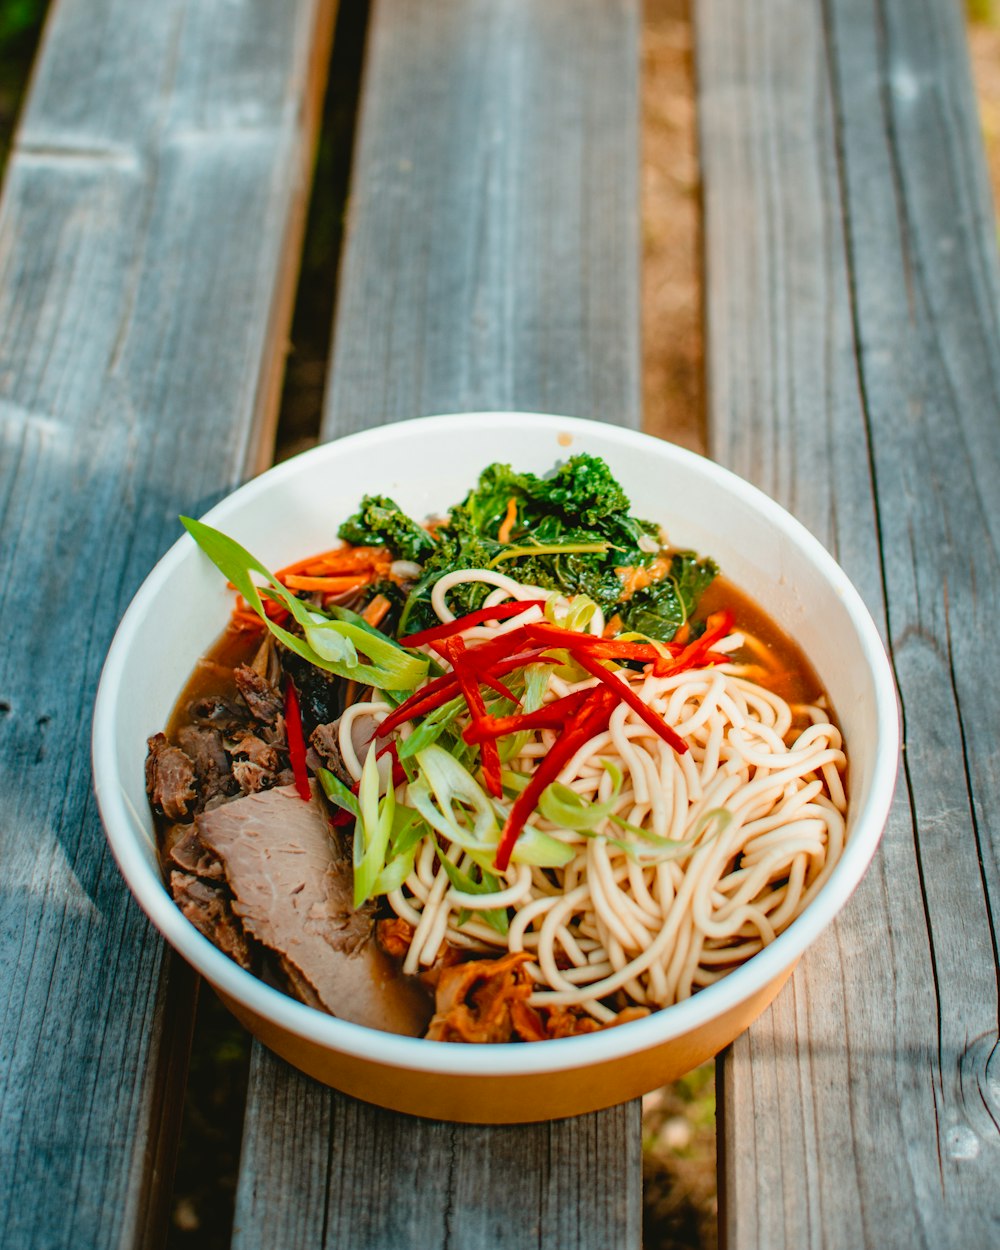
x=425 y=465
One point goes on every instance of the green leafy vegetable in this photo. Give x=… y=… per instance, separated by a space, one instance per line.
x=572 y=532
x=659 y=609
x=380 y=522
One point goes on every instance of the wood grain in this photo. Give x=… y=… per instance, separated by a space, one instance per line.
x=852 y=302
x=150 y=206
x=494 y=224
x=491 y=262
x=320 y=1169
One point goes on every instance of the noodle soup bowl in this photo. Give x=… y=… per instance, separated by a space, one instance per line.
x=427 y=464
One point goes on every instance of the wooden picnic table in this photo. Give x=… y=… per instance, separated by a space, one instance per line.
x=150 y=229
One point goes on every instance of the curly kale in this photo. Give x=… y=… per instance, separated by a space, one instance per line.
x=380 y=522
x=581 y=505
x=659 y=609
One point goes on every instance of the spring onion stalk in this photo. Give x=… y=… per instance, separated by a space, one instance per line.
x=578 y=615
x=495 y=917
x=338 y=793
x=330 y=643
x=408 y=831
x=454 y=804
x=536 y=683
x=431 y=728
x=372 y=830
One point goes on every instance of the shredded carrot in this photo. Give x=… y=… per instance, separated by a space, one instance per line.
x=245 y=619
x=683 y=633
x=338 y=560
x=509 y=521
x=274 y=611
x=614 y=626
x=375 y=612
x=330 y=584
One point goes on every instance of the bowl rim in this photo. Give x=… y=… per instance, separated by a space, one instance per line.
x=125 y=834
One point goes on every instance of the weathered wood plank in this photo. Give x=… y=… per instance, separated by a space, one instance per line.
x=321 y=1169
x=492 y=261
x=852 y=300
x=151 y=204
x=494 y=223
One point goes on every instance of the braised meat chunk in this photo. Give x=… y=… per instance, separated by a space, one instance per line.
x=291 y=883
x=171 y=780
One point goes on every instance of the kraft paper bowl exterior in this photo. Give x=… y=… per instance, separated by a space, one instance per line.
x=425 y=465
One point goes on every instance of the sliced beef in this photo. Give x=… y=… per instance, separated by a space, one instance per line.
x=209 y=908
x=171 y=779
x=261 y=697
x=292 y=888
x=203 y=745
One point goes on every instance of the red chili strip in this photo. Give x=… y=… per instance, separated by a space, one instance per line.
x=447 y=628
x=607 y=648
x=456 y=658
x=425 y=700
x=296 y=741
x=487 y=656
x=498 y=687
x=444 y=688
x=554 y=715
x=627 y=695
x=697 y=653
x=489 y=754
x=593 y=720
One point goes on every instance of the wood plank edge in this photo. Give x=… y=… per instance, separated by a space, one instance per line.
x=260 y=446
x=178 y=1001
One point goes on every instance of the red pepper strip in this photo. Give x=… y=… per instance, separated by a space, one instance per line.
x=296 y=741
x=446 y=687
x=627 y=695
x=552 y=715
x=447 y=628
x=592 y=720
x=484 y=677
x=607 y=648
x=454 y=650
x=695 y=653
x=498 y=687
x=425 y=700
x=491 y=656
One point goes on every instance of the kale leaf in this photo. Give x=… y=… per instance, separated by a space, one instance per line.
x=659 y=609
x=581 y=504
x=380 y=522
